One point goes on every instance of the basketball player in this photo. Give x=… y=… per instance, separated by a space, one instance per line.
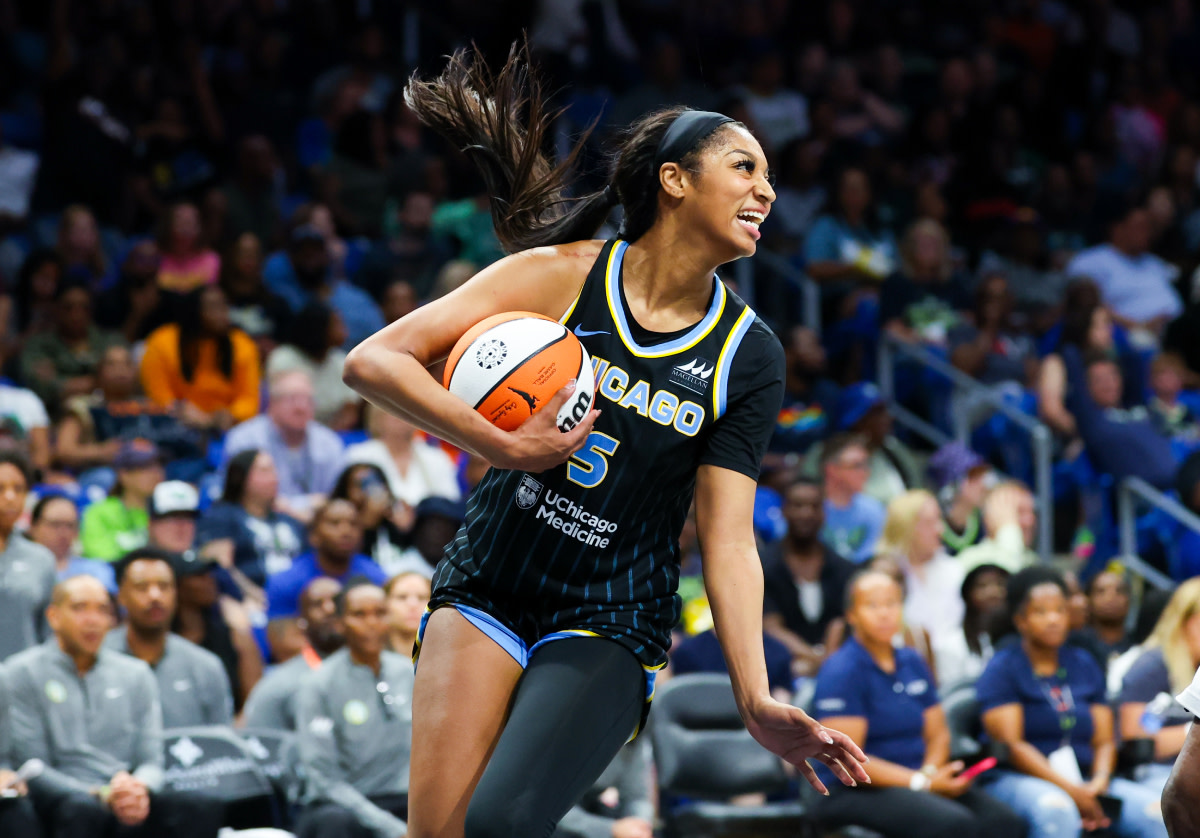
x=552 y=608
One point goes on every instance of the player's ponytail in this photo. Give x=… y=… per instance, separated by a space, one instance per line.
x=500 y=121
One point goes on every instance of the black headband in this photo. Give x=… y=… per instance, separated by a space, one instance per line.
x=688 y=129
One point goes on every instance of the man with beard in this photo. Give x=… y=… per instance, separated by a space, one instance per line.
x=354 y=723
x=191 y=681
x=308 y=258
x=804 y=581
x=94 y=719
x=272 y=704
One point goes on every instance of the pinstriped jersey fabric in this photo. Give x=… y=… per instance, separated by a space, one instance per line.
x=593 y=544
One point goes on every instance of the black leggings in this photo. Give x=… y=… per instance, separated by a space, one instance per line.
x=578 y=701
x=903 y=813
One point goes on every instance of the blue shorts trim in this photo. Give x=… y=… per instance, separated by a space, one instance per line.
x=506 y=639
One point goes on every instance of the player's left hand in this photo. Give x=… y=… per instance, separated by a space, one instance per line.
x=792 y=734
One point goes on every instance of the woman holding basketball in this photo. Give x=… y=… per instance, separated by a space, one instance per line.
x=552 y=609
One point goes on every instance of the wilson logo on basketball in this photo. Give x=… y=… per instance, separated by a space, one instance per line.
x=694 y=375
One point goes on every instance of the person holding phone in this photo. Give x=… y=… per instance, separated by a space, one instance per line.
x=1045 y=700
x=885 y=698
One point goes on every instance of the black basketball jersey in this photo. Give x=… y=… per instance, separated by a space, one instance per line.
x=593 y=544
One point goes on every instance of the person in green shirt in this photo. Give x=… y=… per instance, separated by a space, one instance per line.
x=119 y=523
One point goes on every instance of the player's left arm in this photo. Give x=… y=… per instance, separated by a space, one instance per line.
x=734 y=582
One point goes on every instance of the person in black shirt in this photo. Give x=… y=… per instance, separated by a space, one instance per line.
x=568 y=558
x=804 y=581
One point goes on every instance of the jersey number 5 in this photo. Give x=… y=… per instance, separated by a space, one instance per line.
x=589 y=465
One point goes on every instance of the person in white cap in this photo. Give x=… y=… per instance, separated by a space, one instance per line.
x=174 y=507
x=1183 y=788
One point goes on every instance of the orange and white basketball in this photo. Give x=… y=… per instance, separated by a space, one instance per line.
x=510 y=365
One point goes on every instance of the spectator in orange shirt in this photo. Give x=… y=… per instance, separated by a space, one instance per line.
x=203 y=364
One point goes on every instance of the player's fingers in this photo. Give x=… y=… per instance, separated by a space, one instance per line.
x=838 y=769
x=845 y=743
x=585 y=427
x=556 y=402
x=807 y=772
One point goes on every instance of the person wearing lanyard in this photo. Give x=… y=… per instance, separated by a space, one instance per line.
x=885 y=698
x=1183 y=788
x=1045 y=700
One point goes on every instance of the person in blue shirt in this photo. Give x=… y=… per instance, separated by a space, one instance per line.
x=853 y=520
x=335 y=535
x=885 y=698
x=1045 y=700
x=702 y=653
x=304 y=274
x=261 y=541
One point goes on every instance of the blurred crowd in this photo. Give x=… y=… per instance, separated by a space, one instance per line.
x=205 y=205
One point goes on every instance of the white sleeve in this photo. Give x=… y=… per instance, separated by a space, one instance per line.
x=32 y=412
x=1190 y=697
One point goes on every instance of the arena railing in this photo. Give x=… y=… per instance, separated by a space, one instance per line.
x=746 y=273
x=1130 y=492
x=1041 y=439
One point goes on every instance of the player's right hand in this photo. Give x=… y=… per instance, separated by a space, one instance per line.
x=538 y=444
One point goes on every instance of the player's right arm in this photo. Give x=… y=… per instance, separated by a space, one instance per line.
x=390 y=368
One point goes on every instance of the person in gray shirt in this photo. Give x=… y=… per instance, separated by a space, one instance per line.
x=272 y=704
x=354 y=729
x=17 y=816
x=632 y=816
x=27 y=570
x=192 y=683
x=93 y=717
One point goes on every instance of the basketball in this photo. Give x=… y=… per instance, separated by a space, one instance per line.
x=509 y=365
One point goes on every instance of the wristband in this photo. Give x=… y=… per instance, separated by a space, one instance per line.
x=919 y=781
x=929 y=769
x=103 y=794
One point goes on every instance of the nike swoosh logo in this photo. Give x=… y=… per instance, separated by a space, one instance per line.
x=583 y=333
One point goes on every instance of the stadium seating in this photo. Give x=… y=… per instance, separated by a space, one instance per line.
x=705 y=755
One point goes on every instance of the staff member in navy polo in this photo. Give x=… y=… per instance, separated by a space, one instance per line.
x=885 y=698
x=1045 y=699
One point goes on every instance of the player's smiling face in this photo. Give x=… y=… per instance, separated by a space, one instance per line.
x=734 y=190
